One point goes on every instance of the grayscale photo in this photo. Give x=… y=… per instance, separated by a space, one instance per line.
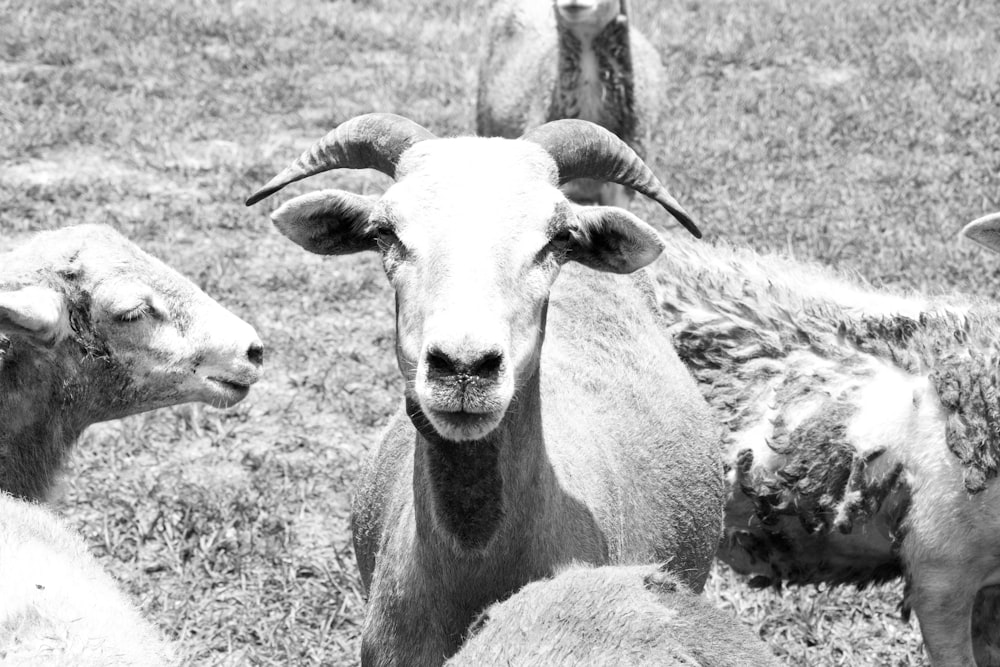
x=528 y=333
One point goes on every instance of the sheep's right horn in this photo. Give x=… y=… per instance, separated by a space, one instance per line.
x=371 y=141
x=582 y=149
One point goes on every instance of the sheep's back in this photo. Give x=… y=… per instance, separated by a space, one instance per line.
x=632 y=615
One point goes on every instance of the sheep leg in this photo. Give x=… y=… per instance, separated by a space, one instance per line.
x=943 y=598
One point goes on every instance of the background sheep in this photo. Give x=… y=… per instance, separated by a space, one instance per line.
x=92 y=329
x=58 y=607
x=635 y=615
x=862 y=436
x=506 y=461
x=570 y=59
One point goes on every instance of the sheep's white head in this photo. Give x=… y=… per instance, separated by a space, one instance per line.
x=127 y=332
x=587 y=18
x=471 y=235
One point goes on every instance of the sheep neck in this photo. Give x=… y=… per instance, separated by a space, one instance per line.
x=469 y=494
x=595 y=79
x=45 y=404
x=36 y=430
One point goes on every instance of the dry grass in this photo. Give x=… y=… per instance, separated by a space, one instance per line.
x=861 y=134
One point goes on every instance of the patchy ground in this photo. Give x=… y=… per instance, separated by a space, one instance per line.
x=860 y=134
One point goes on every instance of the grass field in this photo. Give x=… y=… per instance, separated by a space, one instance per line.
x=860 y=134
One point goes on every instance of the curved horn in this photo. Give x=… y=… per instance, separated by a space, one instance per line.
x=374 y=140
x=582 y=149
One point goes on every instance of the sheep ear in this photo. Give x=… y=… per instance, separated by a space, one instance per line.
x=35 y=311
x=328 y=222
x=612 y=239
x=985 y=231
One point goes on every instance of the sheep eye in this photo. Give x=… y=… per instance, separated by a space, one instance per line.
x=559 y=243
x=385 y=238
x=561 y=237
x=133 y=314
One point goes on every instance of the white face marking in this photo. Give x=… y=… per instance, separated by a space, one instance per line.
x=471 y=274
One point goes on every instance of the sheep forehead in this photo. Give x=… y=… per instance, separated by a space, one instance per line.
x=474 y=196
x=495 y=164
x=96 y=255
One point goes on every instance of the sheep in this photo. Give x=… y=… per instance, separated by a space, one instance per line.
x=504 y=462
x=863 y=436
x=58 y=607
x=94 y=329
x=570 y=59
x=624 y=615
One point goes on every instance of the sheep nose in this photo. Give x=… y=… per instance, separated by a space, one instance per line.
x=479 y=365
x=255 y=353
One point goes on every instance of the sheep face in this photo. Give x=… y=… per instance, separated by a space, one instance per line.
x=124 y=329
x=586 y=18
x=471 y=236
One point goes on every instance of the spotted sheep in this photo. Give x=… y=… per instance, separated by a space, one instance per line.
x=863 y=430
x=570 y=59
x=610 y=615
x=94 y=329
x=58 y=607
x=505 y=461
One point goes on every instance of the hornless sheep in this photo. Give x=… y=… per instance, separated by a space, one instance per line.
x=92 y=329
x=863 y=429
x=58 y=607
x=569 y=59
x=624 y=615
x=504 y=462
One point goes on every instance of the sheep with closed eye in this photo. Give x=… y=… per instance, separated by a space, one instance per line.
x=91 y=329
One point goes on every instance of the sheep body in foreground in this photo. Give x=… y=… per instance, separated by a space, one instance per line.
x=611 y=615
x=862 y=435
x=570 y=59
x=507 y=460
x=93 y=329
x=58 y=607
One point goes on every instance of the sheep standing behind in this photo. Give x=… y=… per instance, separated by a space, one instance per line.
x=58 y=607
x=863 y=440
x=570 y=59
x=93 y=329
x=625 y=615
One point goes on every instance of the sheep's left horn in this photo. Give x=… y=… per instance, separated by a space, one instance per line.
x=371 y=141
x=582 y=149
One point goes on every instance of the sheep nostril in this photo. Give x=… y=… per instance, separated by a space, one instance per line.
x=256 y=354
x=464 y=369
x=439 y=363
x=488 y=366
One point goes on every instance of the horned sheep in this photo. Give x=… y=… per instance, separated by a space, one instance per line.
x=58 y=607
x=570 y=59
x=505 y=461
x=863 y=430
x=94 y=329
x=611 y=615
